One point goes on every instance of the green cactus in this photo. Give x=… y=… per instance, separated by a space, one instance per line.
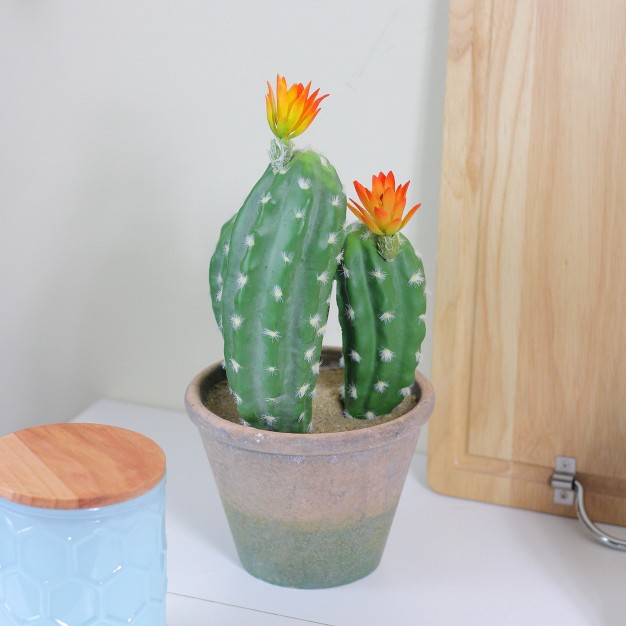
x=271 y=278
x=381 y=305
x=216 y=279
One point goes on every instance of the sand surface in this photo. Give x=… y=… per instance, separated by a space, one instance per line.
x=327 y=406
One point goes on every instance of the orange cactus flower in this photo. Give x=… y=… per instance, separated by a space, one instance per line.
x=291 y=112
x=383 y=205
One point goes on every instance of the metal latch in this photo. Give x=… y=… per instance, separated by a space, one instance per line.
x=569 y=491
x=562 y=480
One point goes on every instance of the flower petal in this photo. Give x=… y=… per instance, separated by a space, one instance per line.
x=409 y=215
x=367 y=220
x=293 y=109
x=365 y=195
x=390 y=180
x=389 y=202
x=382 y=206
x=400 y=199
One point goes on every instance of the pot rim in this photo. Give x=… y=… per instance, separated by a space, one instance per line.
x=306 y=444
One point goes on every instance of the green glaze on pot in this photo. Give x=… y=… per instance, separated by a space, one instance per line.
x=381 y=310
x=271 y=280
x=309 y=555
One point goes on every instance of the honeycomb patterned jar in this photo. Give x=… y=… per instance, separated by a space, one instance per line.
x=82 y=538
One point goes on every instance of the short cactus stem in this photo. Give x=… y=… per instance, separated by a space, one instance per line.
x=388 y=245
x=381 y=310
x=280 y=153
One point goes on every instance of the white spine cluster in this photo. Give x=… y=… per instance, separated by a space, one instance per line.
x=378 y=274
x=355 y=356
x=387 y=316
x=416 y=279
x=277 y=293
x=386 y=355
x=235 y=396
x=270 y=420
x=302 y=390
x=315 y=320
x=236 y=321
x=274 y=335
x=242 y=280
x=380 y=386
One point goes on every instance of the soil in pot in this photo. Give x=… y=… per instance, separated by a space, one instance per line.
x=328 y=414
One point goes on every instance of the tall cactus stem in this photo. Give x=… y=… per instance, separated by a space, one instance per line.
x=274 y=283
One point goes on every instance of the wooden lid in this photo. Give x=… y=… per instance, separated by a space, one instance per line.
x=77 y=466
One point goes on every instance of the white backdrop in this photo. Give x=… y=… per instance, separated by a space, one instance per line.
x=131 y=129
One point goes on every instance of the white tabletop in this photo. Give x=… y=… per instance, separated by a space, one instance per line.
x=447 y=561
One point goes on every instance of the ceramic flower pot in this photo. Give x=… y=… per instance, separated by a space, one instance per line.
x=309 y=510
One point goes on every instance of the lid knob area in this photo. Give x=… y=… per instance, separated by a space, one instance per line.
x=77 y=466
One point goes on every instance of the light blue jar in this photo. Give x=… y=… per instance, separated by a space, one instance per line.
x=88 y=548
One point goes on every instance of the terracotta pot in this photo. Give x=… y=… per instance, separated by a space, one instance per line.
x=309 y=510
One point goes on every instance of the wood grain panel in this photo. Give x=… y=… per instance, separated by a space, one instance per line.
x=530 y=321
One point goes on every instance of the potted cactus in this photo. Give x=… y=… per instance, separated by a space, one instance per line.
x=312 y=509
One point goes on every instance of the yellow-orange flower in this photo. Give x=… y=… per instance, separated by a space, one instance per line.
x=383 y=205
x=291 y=112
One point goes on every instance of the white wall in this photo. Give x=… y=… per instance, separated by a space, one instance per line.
x=130 y=130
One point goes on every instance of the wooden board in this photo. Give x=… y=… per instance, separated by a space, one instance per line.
x=76 y=466
x=530 y=316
